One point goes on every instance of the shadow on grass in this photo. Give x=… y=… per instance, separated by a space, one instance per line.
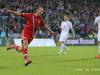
x=42 y=55
x=10 y=66
x=78 y=59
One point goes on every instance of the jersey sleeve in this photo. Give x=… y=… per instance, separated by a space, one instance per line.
x=25 y=15
x=62 y=25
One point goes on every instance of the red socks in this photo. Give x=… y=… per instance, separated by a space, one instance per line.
x=25 y=54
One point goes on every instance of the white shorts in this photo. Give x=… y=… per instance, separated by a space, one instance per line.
x=63 y=37
x=98 y=36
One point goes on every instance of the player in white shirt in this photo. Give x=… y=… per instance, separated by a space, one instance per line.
x=66 y=25
x=97 y=22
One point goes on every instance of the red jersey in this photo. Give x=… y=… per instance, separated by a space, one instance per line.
x=31 y=26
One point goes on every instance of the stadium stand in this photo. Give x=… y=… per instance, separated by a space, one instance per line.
x=82 y=15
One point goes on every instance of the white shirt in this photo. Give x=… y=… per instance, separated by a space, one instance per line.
x=66 y=26
x=97 y=21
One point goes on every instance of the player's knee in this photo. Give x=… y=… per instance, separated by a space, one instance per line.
x=61 y=42
x=20 y=49
x=25 y=44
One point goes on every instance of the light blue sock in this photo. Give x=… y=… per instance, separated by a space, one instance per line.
x=62 y=47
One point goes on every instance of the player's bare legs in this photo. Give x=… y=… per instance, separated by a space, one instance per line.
x=13 y=46
x=98 y=56
x=62 y=48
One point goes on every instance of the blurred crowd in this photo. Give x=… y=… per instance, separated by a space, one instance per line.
x=83 y=13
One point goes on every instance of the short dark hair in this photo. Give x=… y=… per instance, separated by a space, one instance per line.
x=66 y=13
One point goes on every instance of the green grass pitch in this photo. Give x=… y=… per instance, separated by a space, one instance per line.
x=79 y=61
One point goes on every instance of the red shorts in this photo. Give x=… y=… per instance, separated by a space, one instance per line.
x=27 y=35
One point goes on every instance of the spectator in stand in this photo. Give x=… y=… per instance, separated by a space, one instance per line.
x=82 y=12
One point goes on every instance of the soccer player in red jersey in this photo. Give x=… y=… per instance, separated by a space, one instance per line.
x=33 y=21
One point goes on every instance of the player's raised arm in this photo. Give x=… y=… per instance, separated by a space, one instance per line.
x=73 y=31
x=50 y=31
x=45 y=25
x=13 y=12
